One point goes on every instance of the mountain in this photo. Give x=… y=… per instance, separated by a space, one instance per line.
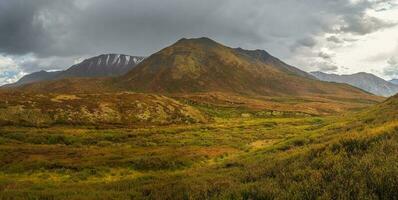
x=106 y=65
x=365 y=81
x=102 y=66
x=35 y=77
x=394 y=81
x=203 y=65
x=204 y=72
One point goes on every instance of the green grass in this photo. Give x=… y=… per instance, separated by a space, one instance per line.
x=232 y=157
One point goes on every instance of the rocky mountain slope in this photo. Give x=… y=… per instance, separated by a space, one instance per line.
x=202 y=71
x=103 y=66
x=106 y=65
x=203 y=65
x=365 y=81
x=35 y=77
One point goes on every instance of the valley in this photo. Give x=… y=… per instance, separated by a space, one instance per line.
x=196 y=120
x=236 y=156
x=198 y=100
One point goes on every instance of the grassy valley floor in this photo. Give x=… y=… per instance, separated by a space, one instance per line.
x=236 y=156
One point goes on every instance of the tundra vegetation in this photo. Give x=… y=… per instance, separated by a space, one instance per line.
x=193 y=151
x=198 y=120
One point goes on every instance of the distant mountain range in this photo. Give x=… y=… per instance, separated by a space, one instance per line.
x=203 y=65
x=364 y=81
x=200 y=71
x=106 y=65
x=189 y=66
x=395 y=81
x=196 y=66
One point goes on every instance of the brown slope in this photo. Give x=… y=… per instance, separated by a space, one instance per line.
x=380 y=113
x=124 y=108
x=68 y=86
x=202 y=65
x=204 y=71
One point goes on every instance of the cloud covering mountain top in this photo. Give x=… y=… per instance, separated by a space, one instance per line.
x=52 y=34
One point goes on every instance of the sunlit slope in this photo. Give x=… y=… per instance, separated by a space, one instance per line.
x=203 y=71
x=93 y=109
x=203 y=65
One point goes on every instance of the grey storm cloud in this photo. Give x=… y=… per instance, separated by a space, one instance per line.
x=66 y=29
x=20 y=31
x=327 y=67
x=307 y=42
x=334 y=39
x=362 y=24
x=324 y=55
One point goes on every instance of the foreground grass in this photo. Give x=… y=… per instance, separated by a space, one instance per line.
x=239 y=157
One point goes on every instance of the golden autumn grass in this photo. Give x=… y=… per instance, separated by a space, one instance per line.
x=237 y=155
x=224 y=124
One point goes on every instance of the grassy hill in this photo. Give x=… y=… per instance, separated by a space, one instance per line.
x=381 y=113
x=232 y=157
x=203 y=65
x=211 y=122
x=93 y=109
x=202 y=71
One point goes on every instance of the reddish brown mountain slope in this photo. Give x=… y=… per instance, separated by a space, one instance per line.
x=203 y=71
x=202 y=65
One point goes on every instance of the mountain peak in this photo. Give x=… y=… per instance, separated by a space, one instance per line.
x=104 y=65
x=203 y=41
x=199 y=39
x=203 y=65
x=366 y=74
x=366 y=81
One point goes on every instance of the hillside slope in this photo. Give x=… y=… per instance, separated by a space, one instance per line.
x=202 y=65
x=348 y=156
x=106 y=65
x=381 y=113
x=35 y=77
x=93 y=109
x=365 y=81
x=203 y=72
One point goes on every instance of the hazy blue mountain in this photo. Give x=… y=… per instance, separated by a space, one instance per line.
x=394 y=81
x=365 y=81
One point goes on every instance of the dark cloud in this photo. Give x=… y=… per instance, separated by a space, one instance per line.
x=69 y=28
x=327 y=67
x=362 y=24
x=23 y=26
x=307 y=42
x=324 y=55
x=55 y=32
x=334 y=39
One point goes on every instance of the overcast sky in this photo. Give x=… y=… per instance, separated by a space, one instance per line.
x=339 y=36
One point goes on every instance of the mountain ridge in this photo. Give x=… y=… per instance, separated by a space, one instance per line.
x=203 y=65
x=204 y=72
x=366 y=81
x=394 y=81
x=104 y=65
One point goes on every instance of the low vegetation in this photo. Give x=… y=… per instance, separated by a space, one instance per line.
x=238 y=154
x=29 y=109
